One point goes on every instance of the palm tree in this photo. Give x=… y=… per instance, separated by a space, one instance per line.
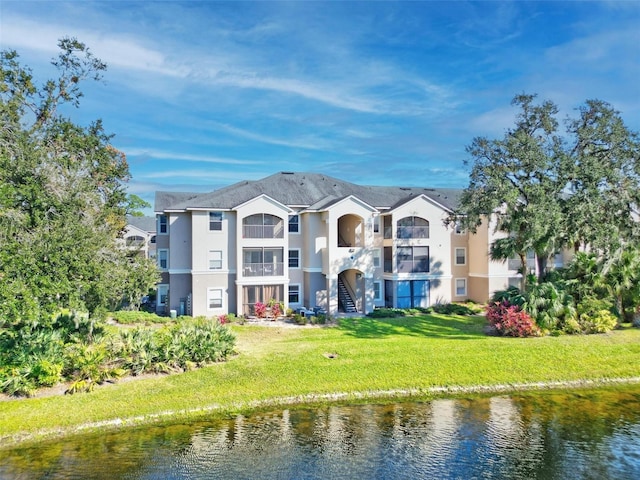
x=621 y=276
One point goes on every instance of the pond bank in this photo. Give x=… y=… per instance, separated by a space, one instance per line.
x=357 y=361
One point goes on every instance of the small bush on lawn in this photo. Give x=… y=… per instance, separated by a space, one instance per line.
x=453 y=309
x=385 y=312
x=128 y=317
x=510 y=320
x=299 y=319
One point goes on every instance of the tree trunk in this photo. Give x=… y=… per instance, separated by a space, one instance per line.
x=541 y=261
x=523 y=268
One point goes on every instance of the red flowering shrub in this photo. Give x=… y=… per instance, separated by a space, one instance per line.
x=223 y=319
x=511 y=320
x=260 y=309
x=276 y=311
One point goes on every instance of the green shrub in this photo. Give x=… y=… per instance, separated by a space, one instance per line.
x=299 y=319
x=90 y=364
x=453 y=309
x=138 y=349
x=385 y=312
x=46 y=373
x=128 y=317
x=319 y=319
x=595 y=316
x=17 y=381
x=195 y=342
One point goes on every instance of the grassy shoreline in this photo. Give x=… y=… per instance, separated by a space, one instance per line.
x=361 y=359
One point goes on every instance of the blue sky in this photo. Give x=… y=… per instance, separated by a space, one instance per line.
x=202 y=94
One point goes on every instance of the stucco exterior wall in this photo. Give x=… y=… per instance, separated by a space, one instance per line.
x=180 y=242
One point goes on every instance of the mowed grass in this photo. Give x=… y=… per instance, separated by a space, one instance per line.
x=360 y=357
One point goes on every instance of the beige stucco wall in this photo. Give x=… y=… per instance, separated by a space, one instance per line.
x=180 y=242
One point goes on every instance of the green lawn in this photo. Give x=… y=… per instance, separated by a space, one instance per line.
x=361 y=357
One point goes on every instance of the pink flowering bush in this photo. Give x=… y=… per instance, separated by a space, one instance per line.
x=223 y=319
x=276 y=310
x=260 y=309
x=511 y=320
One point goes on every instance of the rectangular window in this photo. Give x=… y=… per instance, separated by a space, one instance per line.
x=461 y=256
x=388 y=228
x=215 y=259
x=377 y=291
x=376 y=224
x=294 y=258
x=461 y=287
x=163 y=259
x=294 y=224
x=376 y=258
x=214 y=298
x=388 y=259
x=294 y=293
x=215 y=221
x=163 y=225
x=163 y=293
x=412 y=259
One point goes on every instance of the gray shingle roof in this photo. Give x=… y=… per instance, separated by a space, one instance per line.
x=147 y=224
x=302 y=189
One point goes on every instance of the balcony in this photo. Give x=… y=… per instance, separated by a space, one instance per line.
x=263 y=269
x=263 y=231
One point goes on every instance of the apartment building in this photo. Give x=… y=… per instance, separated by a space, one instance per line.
x=308 y=239
x=140 y=235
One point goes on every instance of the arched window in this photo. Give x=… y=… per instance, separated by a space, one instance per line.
x=134 y=241
x=412 y=227
x=262 y=225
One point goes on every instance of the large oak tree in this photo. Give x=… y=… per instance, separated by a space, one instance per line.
x=550 y=190
x=63 y=197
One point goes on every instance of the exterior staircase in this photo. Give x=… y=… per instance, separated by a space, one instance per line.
x=345 y=300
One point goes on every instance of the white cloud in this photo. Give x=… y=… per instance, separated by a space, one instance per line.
x=166 y=155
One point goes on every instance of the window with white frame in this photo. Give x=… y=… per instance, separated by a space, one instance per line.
x=214 y=298
x=294 y=294
x=163 y=292
x=461 y=287
x=376 y=224
x=377 y=291
x=163 y=225
x=461 y=256
x=215 y=259
x=294 y=224
x=163 y=259
x=215 y=221
x=294 y=258
x=459 y=229
x=376 y=257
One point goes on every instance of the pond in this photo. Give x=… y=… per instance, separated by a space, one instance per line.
x=582 y=434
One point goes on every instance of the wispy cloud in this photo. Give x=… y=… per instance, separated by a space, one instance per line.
x=167 y=155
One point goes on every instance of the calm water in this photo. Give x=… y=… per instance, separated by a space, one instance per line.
x=549 y=435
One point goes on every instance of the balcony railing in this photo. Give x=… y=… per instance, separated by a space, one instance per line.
x=413 y=232
x=263 y=269
x=263 y=231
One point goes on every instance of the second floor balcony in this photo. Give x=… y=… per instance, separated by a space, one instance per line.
x=263 y=269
